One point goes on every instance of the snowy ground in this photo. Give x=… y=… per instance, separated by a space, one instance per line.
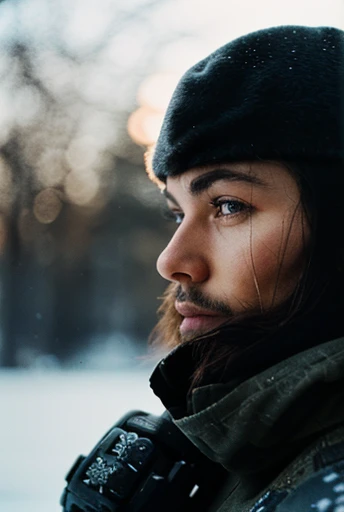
x=49 y=418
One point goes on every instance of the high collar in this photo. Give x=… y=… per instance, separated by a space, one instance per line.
x=251 y=352
x=255 y=424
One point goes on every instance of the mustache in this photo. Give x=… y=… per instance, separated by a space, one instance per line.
x=198 y=298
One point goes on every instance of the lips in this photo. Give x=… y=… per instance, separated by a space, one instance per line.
x=197 y=320
x=186 y=309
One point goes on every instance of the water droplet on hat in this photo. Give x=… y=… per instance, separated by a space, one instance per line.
x=290 y=67
x=229 y=57
x=285 y=37
x=293 y=51
x=294 y=31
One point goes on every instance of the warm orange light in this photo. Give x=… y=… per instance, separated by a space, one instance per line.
x=148 y=159
x=144 y=125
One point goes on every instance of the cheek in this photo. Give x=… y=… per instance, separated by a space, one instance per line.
x=270 y=259
x=278 y=257
x=233 y=272
x=244 y=254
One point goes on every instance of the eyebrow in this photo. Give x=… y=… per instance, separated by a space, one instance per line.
x=205 y=181
x=169 y=196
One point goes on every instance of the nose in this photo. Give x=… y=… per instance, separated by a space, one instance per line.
x=184 y=260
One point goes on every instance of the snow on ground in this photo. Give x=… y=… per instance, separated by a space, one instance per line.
x=49 y=418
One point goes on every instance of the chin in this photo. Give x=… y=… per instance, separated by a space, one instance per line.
x=194 y=335
x=184 y=338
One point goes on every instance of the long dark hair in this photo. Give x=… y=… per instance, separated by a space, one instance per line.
x=316 y=298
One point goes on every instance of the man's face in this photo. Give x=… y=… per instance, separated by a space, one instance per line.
x=239 y=245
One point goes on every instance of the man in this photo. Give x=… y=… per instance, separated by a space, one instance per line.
x=250 y=160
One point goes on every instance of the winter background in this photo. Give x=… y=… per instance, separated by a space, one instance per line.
x=49 y=418
x=83 y=88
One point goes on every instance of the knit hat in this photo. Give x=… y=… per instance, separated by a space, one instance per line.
x=273 y=94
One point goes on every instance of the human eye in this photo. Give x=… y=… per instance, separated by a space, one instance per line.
x=173 y=215
x=229 y=207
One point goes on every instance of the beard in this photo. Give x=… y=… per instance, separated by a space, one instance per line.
x=194 y=296
x=166 y=332
x=198 y=298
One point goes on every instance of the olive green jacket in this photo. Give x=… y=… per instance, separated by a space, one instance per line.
x=266 y=430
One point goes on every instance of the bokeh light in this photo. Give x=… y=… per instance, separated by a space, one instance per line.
x=156 y=90
x=144 y=125
x=81 y=186
x=47 y=205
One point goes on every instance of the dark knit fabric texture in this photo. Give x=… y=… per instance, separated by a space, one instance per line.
x=273 y=94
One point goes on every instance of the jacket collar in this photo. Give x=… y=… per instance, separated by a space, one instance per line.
x=254 y=424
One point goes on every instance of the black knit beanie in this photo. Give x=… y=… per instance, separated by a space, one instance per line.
x=274 y=94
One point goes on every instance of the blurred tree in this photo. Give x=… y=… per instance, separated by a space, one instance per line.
x=74 y=202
